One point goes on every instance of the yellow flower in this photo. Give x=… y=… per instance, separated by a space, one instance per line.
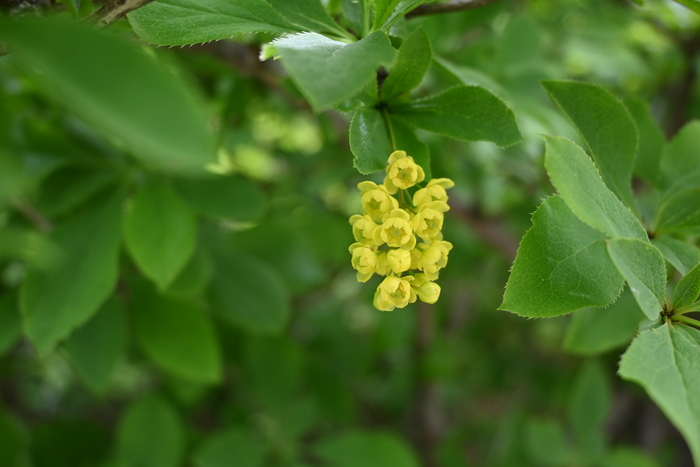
x=396 y=231
x=376 y=200
x=364 y=260
x=363 y=229
x=428 y=222
x=402 y=172
x=434 y=191
x=394 y=292
x=399 y=260
x=382 y=263
x=427 y=291
x=434 y=258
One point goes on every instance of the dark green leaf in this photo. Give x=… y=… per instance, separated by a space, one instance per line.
x=120 y=88
x=688 y=289
x=233 y=447
x=160 y=232
x=12 y=445
x=327 y=71
x=589 y=403
x=651 y=140
x=10 y=324
x=361 y=449
x=183 y=22
x=229 y=197
x=369 y=140
x=68 y=187
x=96 y=347
x=69 y=283
x=192 y=279
x=606 y=127
x=576 y=178
x=411 y=65
x=683 y=256
x=466 y=113
x=276 y=388
x=561 y=266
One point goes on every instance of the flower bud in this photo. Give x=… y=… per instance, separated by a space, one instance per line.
x=399 y=260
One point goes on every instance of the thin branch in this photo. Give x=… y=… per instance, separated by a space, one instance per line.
x=447 y=7
x=112 y=10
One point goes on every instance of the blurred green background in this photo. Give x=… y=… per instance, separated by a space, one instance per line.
x=263 y=350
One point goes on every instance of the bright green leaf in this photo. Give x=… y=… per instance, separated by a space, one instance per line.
x=229 y=197
x=177 y=335
x=576 y=178
x=64 y=288
x=369 y=140
x=361 y=449
x=233 y=447
x=666 y=362
x=651 y=140
x=688 y=289
x=382 y=10
x=327 y=71
x=160 y=232
x=561 y=266
x=682 y=255
x=248 y=293
x=96 y=347
x=412 y=63
x=466 y=113
x=598 y=330
x=10 y=323
x=309 y=14
x=643 y=267
x=150 y=434
x=606 y=127
x=119 y=87
x=183 y=22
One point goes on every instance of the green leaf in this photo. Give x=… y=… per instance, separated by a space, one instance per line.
x=402 y=9
x=364 y=448
x=666 y=362
x=576 y=178
x=10 y=324
x=411 y=65
x=693 y=5
x=369 y=141
x=382 y=10
x=96 y=347
x=546 y=442
x=309 y=14
x=683 y=256
x=651 y=140
x=192 y=279
x=233 y=447
x=606 y=127
x=150 y=434
x=678 y=212
x=628 y=457
x=64 y=288
x=69 y=187
x=160 y=232
x=680 y=158
x=688 y=289
x=120 y=88
x=328 y=72
x=177 y=335
x=561 y=266
x=588 y=406
x=12 y=444
x=466 y=113
x=184 y=22
x=248 y=293
x=228 y=197
x=406 y=140
x=598 y=330
x=643 y=267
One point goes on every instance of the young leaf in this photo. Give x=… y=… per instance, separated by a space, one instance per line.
x=643 y=267
x=177 y=336
x=160 y=232
x=96 y=347
x=10 y=324
x=680 y=157
x=382 y=10
x=327 y=71
x=594 y=331
x=64 y=288
x=606 y=127
x=117 y=86
x=466 y=113
x=229 y=197
x=651 y=141
x=576 y=178
x=361 y=449
x=407 y=140
x=688 y=289
x=248 y=293
x=666 y=362
x=233 y=447
x=369 y=140
x=184 y=22
x=309 y=14
x=561 y=266
x=150 y=434
x=682 y=255
x=412 y=63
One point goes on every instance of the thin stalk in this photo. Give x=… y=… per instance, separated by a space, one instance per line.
x=686 y=320
x=392 y=140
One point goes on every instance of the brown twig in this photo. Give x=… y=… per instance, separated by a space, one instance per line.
x=112 y=10
x=447 y=7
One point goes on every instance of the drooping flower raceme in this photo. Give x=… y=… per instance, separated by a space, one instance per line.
x=399 y=234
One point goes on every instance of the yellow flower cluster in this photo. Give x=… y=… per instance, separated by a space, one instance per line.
x=387 y=232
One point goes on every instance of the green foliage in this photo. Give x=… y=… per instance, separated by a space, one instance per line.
x=228 y=197
x=412 y=63
x=683 y=256
x=369 y=140
x=231 y=447
x=10 y=324
x=356 y=449
x=688 y=289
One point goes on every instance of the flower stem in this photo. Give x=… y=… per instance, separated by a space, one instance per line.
x=686 y=320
